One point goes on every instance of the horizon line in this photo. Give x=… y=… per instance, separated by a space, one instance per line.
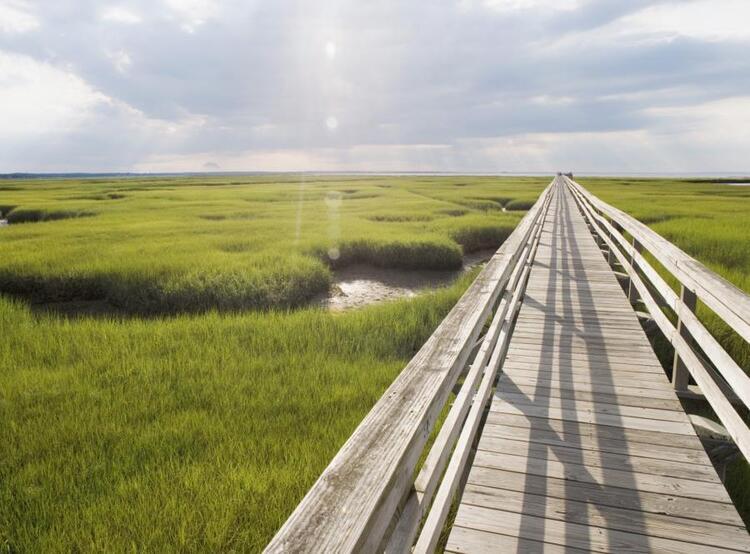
x=92 y=174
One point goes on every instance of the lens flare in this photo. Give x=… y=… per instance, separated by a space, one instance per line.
x=330 y=49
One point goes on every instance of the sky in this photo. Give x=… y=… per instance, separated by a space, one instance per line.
x=618 y=86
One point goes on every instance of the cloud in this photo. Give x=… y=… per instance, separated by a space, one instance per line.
x=37 y=99
x=16 y=17
x=461 y=86
x=713 y=20
x=120 y=14
x=193 y=13
x=121 y=60
x=527 y=5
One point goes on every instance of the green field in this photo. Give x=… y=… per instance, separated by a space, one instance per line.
x=196 y=402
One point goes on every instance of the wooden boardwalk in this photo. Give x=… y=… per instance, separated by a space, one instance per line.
x=564 y=433
x=585 y=446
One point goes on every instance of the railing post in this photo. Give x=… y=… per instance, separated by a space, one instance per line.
x=611 y=259
x=680 y=374
x=632 y=291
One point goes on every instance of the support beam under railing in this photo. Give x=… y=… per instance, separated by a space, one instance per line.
x=680 y=373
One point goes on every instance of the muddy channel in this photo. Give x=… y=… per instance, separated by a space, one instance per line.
x=359 y=285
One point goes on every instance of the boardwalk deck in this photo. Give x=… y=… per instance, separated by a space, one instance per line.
x=585 y=446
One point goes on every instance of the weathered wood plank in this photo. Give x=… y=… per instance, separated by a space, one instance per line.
x=549 y=359
x=599 y=458
x=594 y=388
x=631 y=370
x=598 y=407
x=614 y=379
x=555 y=434
x=598 y=430
x=591 y=330
x=473 y=541
x=570 y=534
x=562 y=343
x=605 y=495
x=581 y=354
x=589 y=513
x=540 y=392
x=609 y=477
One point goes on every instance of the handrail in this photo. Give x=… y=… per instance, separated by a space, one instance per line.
x=722 y=377
x=435 y=521
x=356 y=501
x=726 y=300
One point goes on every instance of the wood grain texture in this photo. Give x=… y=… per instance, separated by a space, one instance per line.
x=585 y=445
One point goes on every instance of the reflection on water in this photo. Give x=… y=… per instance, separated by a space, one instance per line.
x=359 y=285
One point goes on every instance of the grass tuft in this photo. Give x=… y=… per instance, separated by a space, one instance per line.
x=21 y=215
x=481 y=237
x=415 y=254
x=516 y=205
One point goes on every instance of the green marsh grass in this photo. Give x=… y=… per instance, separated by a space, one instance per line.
x=157 y=246
x=192 y=433
x=200 y=427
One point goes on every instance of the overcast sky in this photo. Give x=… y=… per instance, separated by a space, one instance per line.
x=437 y=85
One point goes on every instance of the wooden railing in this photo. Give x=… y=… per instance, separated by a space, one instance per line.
x=367 y=499
x=697 y=353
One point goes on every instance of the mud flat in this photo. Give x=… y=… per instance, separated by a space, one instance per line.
x=359 y=285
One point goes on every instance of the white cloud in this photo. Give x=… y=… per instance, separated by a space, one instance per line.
x=703 y=19
x=37 y=98
x=719 y=125
x=120 y=14
x=47 y=111
x=120 y=59
x=548 y=100
x=193 y=13
x=510 y=6
x=15 y=17
x=710 y=136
